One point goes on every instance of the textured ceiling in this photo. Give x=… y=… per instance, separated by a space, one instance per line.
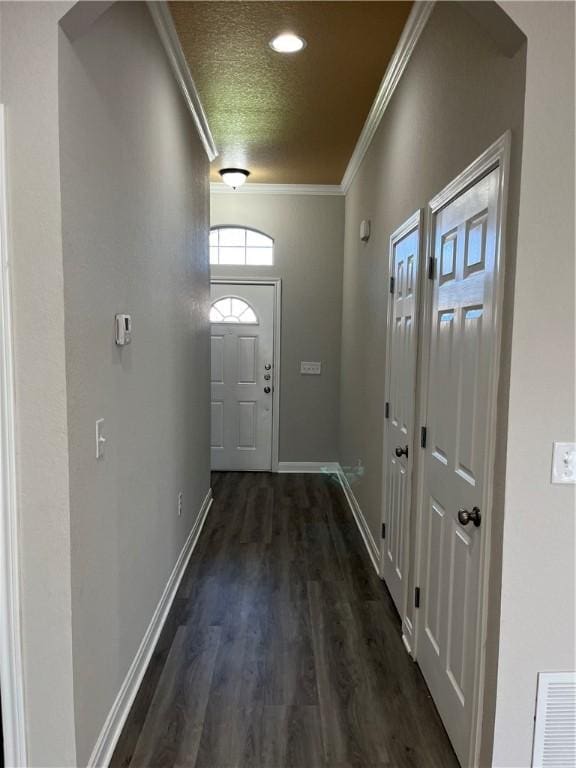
x=288 y=119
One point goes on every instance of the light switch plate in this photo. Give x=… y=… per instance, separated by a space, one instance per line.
x=564 y=463
x=123 y=330
x=311 y=369
x=100 y=439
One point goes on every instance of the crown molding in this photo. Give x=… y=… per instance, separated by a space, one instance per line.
x=167 y=31
x=415 y=23
x=219 y=188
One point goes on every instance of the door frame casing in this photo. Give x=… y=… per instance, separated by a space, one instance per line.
x=496 y=156
x=276 y=283
x=415 y=221
x=11 y=662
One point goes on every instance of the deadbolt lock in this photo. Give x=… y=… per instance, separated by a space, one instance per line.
x=267 y=367
x=267 y=377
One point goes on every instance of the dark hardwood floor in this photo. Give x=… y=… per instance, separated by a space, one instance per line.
x=283 y=648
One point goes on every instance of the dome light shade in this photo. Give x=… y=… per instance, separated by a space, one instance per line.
x=234 y=177
x=287 y=43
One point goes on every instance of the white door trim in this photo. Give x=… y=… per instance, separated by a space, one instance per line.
x=276 y=283
x=11 y=668
x=496 y=156
x=415 y=221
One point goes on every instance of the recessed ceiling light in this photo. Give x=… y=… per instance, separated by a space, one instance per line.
x=234 y=177
x=287 y=43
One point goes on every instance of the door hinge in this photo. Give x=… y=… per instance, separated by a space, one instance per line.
x=392 y=282
x=383 y=530
x=431 y=268
x=417 y=597
x=387 y=410
x=423 y=435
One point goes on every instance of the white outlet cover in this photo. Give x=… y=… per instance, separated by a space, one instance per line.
x=310 y=369
x=564 y=463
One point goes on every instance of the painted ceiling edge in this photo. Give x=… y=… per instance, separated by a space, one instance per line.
x=218 y=188
x=167 y=32
x=413 y=28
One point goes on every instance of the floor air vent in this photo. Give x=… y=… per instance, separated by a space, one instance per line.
x=555 y=729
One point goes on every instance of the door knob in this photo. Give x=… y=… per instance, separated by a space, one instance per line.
x=464 y=516
x=267 y=390
x=401 y=451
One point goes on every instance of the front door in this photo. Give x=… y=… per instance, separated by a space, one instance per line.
x=242 y=349
x=458 y=456
x=401 y=394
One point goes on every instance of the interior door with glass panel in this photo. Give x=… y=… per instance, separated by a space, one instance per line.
x=459 y=398
x=401 y=396
x=242 y=350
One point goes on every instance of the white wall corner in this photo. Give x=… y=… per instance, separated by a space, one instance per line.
x=11 y=661
x=81 y=16
x=40 y=558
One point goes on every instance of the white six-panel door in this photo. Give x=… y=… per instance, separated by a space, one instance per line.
x=242 y=355
x=401 y=395
x=457 y=458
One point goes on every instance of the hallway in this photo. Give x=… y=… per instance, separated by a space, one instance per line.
x=282 y=647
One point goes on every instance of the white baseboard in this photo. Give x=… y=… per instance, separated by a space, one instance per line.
x=366 y=533
x=408 y=635
x=407 y=646
x=110 y=733
x=308 y=467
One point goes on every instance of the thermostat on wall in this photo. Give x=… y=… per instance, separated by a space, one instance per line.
x=123 y=330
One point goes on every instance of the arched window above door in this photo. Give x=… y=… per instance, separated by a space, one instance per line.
x=240 y=246
x=231 y=309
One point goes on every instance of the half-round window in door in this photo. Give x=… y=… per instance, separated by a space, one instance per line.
x=231 y=309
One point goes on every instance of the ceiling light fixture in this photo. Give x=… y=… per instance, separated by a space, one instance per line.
x=287 y=43
x=234 y=177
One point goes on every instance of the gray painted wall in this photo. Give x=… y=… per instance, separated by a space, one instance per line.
x=539 y=517
x=135 y=220
x=457 y=95
x=308 y=232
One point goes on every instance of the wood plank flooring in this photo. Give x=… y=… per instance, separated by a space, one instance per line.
x=282 y=648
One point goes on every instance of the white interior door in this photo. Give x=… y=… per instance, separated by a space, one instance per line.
x=401 y=395
x=462 y=343
x=242 y=349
